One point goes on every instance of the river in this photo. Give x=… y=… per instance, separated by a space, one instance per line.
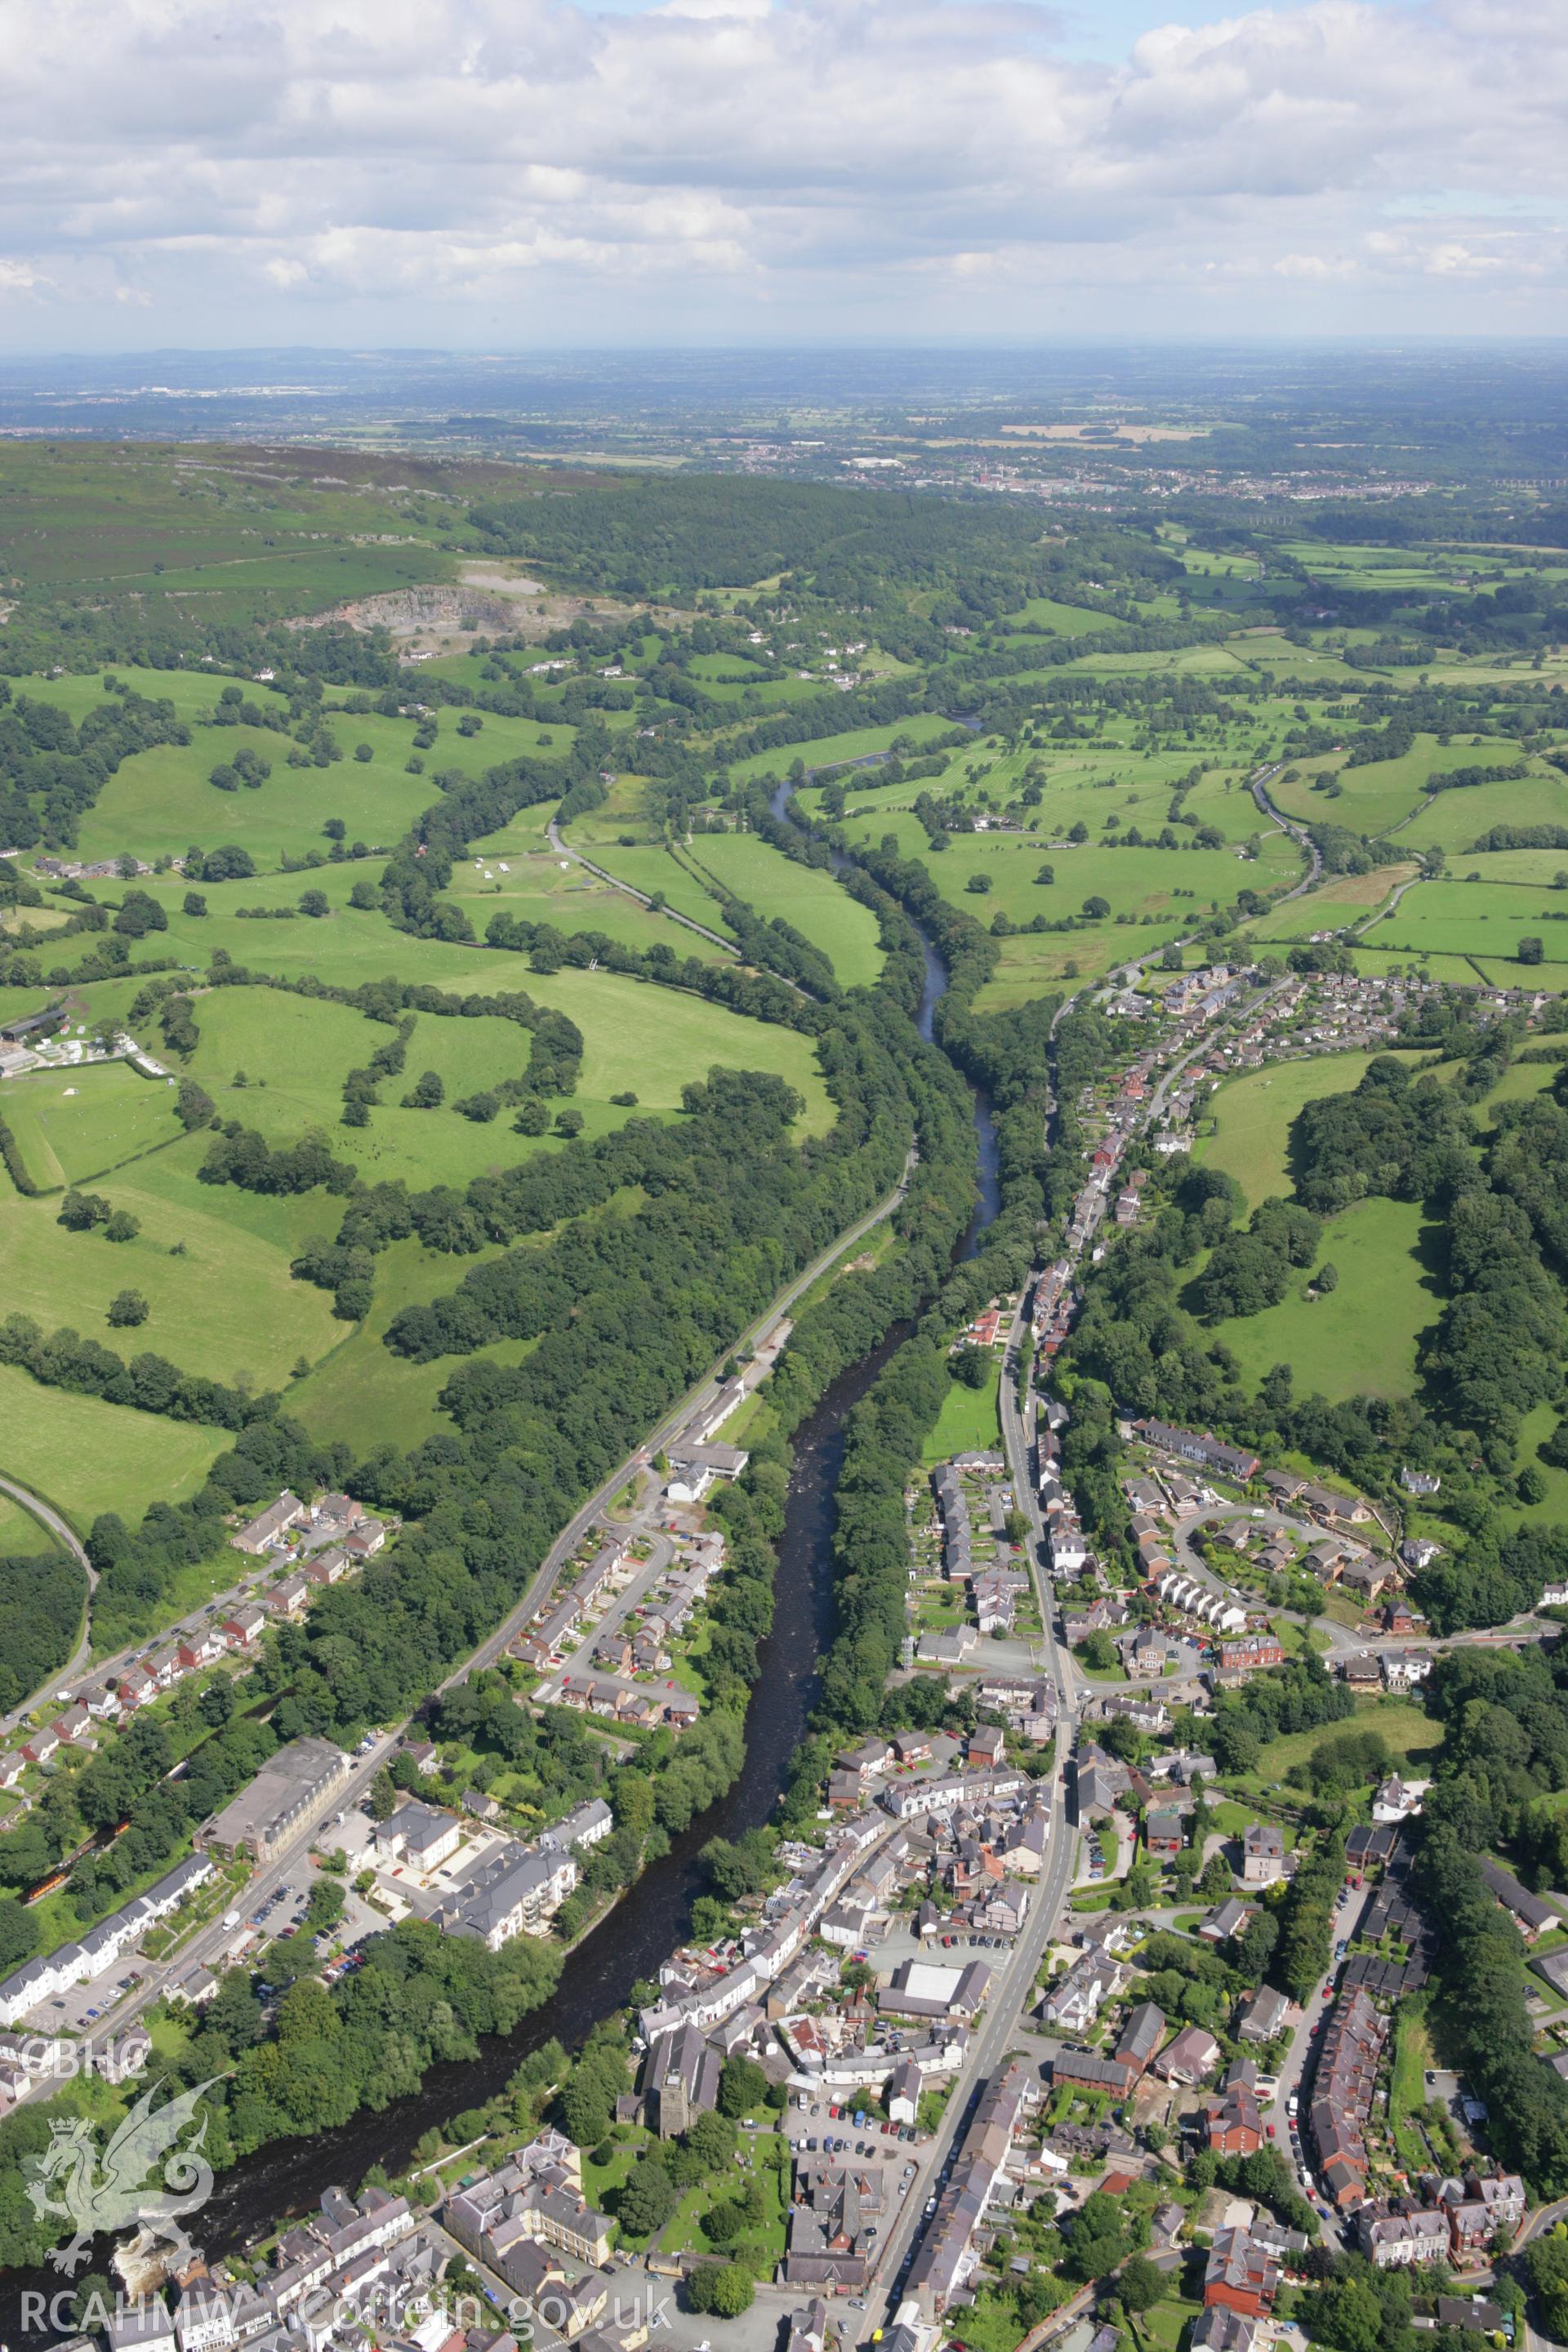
x=289 y=2177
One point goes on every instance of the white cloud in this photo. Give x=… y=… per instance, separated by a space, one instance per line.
x=18 y=277
x=725 y=166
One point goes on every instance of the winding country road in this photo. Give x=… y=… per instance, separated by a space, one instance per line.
x=65 y=1535
x=1299 y=833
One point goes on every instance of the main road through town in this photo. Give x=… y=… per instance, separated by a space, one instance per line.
x=1012 y=1992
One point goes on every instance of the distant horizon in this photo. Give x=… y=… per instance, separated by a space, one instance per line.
x=942 y=346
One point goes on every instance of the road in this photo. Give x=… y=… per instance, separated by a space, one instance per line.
x=564 y=849
x=204 y=1947
x=1299 y=833
x=49 y=1517
x=1343 y=1641
x=1347 y=1924
x=1012 y=1992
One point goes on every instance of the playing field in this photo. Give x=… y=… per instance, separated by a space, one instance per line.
x=70 y=1125
x=1361 y=1339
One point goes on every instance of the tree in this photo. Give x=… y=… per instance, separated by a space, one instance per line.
x=139 y=914
x=1103 y=2234
x=1097 y=909
x=1046 y=874
x=18 y=1933
x=363 y=754
x=533 y=1118
x=429 y=1092
x=569 y=1122
x=971 y=1365
x=364 y=896
x=980 y=883
x=325 y=1907
x=79 y=1212
x=648 y=2197
x=194 y=1106
x=217 y=1703
x=126 y=1310
x=1530 y=950
x=121 y=1226
x=726 y=2289
x=713 y=2140
x=743 y=2086
x=383 y=1795
x=315 y=902
x=1097 y=1651
x=1327 y=1277
x=193 y=903
x=233 y=2012
x=1140 y=2285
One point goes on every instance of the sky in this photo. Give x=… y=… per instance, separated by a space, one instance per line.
x=528 y=174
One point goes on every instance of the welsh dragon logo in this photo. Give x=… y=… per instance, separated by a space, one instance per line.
x=119 y=2188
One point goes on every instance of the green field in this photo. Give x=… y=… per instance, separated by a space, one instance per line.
x=294 y=1053
x=1156 y=893
x=1361 y=1339
x=22 y=1536
x=657 y=872
x=161 y=801
x=834 y=750
x=967 y=1424
x=1411 y=1733
x=361 y=1390
x=1455 y=820
x=1344 y=899
x=71 y=1125
x=225 y=1307
x=1476 y=918
x=803 y=896
x=516 y=873
x=85 y=1456
x=1381 y=796
x=1253 y=1115
x=1064 y=620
